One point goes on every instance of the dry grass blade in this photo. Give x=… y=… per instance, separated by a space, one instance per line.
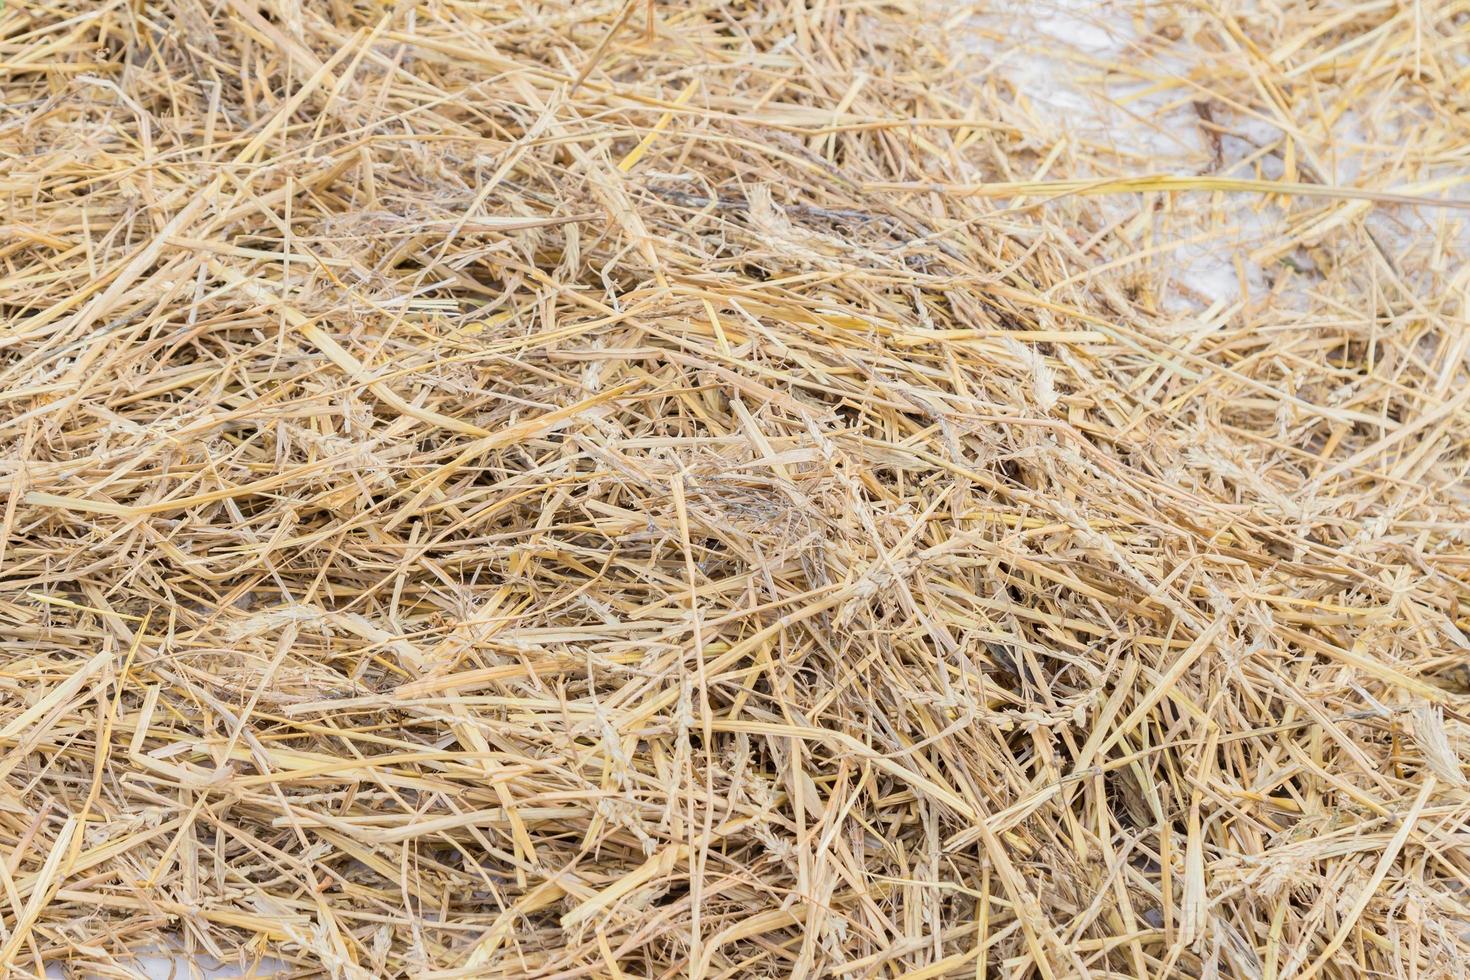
x=734 y=489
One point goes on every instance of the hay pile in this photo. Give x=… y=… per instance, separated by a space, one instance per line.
x=730 y=489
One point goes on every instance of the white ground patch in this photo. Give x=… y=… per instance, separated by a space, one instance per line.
x=169 y=968
x=1225 y=247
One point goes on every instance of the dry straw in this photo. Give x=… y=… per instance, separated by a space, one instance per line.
x=613 y=489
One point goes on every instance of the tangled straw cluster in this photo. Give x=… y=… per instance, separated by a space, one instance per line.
x=729 y=489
